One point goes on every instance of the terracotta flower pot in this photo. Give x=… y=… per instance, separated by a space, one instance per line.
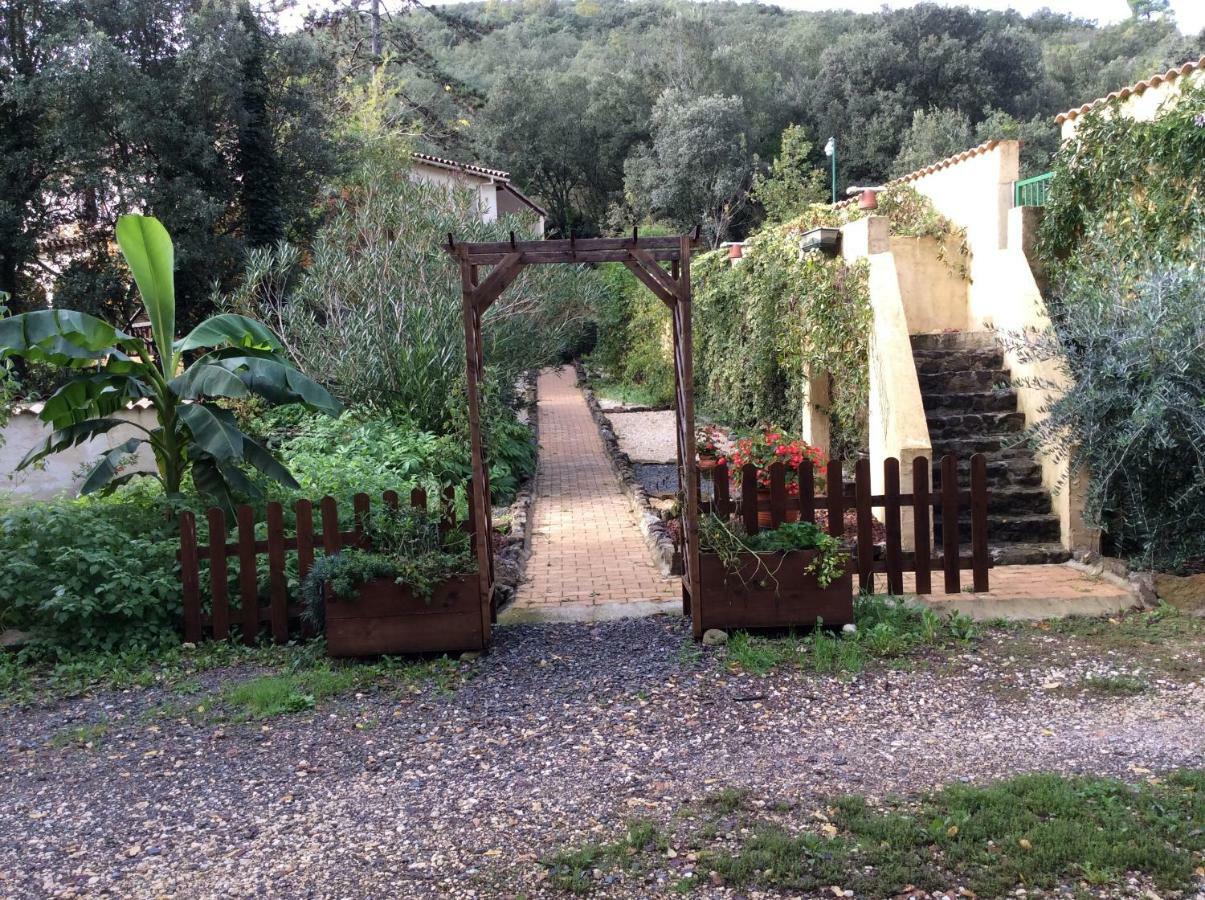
x=764 y=519
x=706 y=463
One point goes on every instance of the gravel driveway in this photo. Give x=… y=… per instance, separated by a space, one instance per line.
x=561 y=734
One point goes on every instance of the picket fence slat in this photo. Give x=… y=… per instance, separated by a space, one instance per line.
x=835 y=488
x=219 y=573
x=862 y=494
x=891 y=514
x=248 y=581
x=949 y=522
x=922 y=531
x=276 y=573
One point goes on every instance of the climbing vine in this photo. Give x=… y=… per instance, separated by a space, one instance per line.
x=1126 y=188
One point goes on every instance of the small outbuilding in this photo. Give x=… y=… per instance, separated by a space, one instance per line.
x=498 y=194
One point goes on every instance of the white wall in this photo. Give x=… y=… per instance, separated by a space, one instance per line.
x=61 y=473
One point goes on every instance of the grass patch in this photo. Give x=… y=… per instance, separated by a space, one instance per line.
x=888 y=628
x=573 y=870
x=89 y=736
x=34 y=674
x=628 y=394
x=274 y=695
x=1113 y=685
x=1034 y=831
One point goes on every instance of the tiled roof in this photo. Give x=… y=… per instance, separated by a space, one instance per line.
x=985 y=147
x=462 y=167
x=1155 y=80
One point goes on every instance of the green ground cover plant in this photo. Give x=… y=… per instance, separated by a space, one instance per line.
x=732 y=544
x=1041 y=831
x=887 y=628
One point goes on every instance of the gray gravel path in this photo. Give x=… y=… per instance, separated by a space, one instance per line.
x=563 y=733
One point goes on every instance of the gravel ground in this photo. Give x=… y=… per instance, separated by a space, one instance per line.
x=561 y=734
x=646 y=436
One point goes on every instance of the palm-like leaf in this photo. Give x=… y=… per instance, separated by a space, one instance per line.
x=230 y=330
x=214 y=431
x=104 y=475
x=148 y=250
x=203 y=379
x=279 y=382
x=67 y=437
x=62 y=337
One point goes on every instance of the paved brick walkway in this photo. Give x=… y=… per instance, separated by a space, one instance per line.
x=587 y=549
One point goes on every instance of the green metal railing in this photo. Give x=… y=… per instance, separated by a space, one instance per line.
x=1032 y=191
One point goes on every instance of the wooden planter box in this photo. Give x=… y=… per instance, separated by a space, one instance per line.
x=385 y=617
x=748 y=598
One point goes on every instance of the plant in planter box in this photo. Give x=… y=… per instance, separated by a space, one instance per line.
x=729 y=541
x=408 y=548
x=788 y=577
x=413 y=589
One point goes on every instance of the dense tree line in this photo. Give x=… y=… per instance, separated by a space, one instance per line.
x=593 y=103
x=611 y=112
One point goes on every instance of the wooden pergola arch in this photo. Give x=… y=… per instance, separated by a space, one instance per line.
x=644 y=256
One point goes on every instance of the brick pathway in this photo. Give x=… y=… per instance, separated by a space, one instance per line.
x=587 y=549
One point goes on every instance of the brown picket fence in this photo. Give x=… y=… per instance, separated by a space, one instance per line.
x=278 y=611
x=950 y=499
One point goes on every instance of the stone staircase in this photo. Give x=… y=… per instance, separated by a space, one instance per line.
x=971 y=408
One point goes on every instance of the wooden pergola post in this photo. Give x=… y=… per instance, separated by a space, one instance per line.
x=644 y=257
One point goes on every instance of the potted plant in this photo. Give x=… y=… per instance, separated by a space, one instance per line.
x=709 y=446
x=790 y=577
x=409 y=587
x=762 y=450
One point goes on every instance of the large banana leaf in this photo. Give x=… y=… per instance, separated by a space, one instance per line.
x=147 y=247
x=203 y=379
x=69 y=436
x=213 y=430
x=258 y=456
x=61 y=337
x=279 y=382
x=104 y=475
x=88 y=396
x=230 y=330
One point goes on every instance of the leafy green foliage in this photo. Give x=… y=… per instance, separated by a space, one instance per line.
x=633 y=336
x=1129 y=339
x=95 y=574
x=375 y=305
x=793 y=182
x=761 y=326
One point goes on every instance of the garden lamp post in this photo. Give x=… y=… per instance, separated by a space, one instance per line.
x=830 y=150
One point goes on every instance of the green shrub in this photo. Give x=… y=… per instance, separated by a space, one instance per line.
x=91 y=574
x=633 y=343
x=1130 y=338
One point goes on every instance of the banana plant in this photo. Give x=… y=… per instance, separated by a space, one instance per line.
x=229 y=356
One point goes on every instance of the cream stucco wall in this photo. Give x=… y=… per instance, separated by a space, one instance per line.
x=487 y=191
x=933 y=291
x=61 y=473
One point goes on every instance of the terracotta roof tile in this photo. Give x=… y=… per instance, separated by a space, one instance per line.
x=462 y=167
x=1155 y=80
x=985 y=147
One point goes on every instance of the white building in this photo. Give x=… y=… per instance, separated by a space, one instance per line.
x=498 y=195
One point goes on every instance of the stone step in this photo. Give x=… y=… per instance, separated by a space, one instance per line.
x=954 y=340
x=997 y=400
x=965 y=447
x=1012 y=500
x=931 y=362
x=1006 y=529
x=1020 y=472
x=964 y=381
x=945 y=423
x=1018 y=553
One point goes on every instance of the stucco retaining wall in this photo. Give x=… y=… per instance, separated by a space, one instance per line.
x=62 y=473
